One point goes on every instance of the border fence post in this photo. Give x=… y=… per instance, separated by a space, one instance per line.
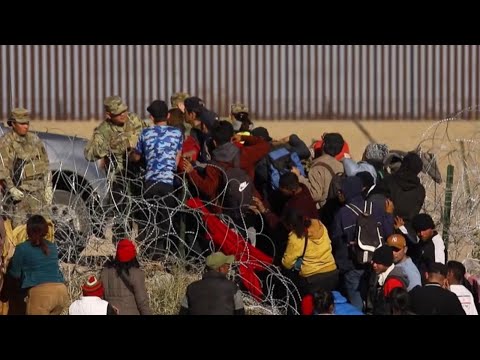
x=448 y=206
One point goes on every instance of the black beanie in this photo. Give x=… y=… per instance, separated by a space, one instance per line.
x=383 y=255
x=422 y=222
x=412 y=163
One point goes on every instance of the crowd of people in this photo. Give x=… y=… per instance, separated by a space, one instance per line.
x=349 y=236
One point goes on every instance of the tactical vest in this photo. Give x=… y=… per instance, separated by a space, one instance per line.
x=25 y=160
x=117 y=139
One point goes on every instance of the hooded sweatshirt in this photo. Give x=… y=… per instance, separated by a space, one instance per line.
x=253 y=150
x=344 y=222
x=318 y=256
x=405 y=190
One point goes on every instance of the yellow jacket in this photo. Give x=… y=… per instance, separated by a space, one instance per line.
x=17 y=236
x=318 y=255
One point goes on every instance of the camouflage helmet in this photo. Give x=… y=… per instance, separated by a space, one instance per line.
x=178 y=97
x=19 y=115
x=238 y=108
x=114 y=105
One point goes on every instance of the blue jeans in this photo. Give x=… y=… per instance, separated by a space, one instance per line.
x=352 y=286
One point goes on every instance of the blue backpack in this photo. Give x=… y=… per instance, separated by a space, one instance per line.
x=281 y=161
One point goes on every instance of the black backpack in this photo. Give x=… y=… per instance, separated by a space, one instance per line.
x=236 y=188
x=367 y=234
x=336 y=183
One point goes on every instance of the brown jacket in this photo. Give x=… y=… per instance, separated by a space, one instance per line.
x=319 y=178
x=118 y=294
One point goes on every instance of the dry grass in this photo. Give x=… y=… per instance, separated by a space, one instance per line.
x=165 y=289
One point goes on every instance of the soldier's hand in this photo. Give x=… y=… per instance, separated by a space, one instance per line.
x=16 y=194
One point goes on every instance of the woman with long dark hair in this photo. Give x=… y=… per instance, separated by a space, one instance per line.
x=309 y=250
x=35 y=264
x=124 y=281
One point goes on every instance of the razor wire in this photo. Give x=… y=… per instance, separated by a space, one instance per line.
x=463 y=153
x=84 y=221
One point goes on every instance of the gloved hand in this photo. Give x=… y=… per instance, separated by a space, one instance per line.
x=48 y=195
x=16 y=194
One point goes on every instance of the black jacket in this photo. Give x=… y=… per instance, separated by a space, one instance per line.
x=407 y=193
x=214 y=294
x=432 y=299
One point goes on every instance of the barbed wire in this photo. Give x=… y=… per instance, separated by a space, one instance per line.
x=461 y=152
x=179 y=237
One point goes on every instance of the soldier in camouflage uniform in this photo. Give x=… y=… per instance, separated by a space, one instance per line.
x=177 y=100
x=240 y=118
x=111 y=142
x=24 y=170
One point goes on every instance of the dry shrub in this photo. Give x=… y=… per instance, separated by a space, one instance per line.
x=166 y=286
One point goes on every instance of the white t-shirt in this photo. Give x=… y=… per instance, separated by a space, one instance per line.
x=88 y=305
x=466 y=299
x=439 y=249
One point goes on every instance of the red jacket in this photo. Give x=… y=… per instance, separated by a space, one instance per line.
x=254 y=149
x=190 y=145
x=231 y=242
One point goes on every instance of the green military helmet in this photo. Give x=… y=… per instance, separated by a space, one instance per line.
x=114 y=105
x=238 y=108
x=178 y=97
x=19 y=115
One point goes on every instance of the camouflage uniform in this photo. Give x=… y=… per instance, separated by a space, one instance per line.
x=237 y=125
x=178 y=97
x=175 y=99
x=238 y=108
x=111 y=143
x=24 y=169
